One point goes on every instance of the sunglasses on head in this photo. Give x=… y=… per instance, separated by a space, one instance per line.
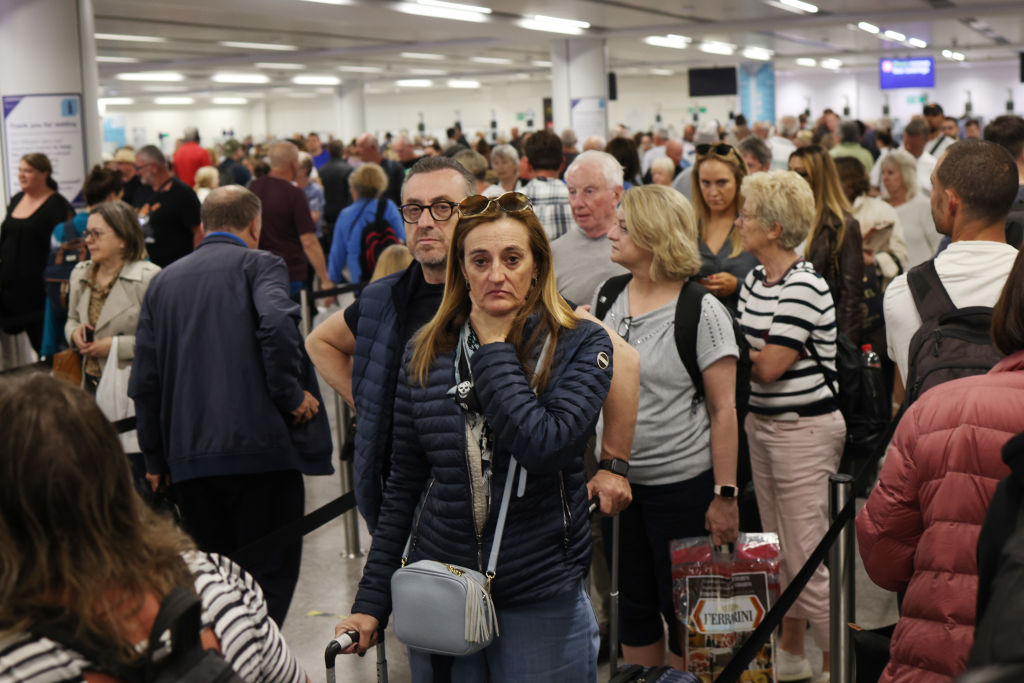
x=510 y=202
x=721 y=149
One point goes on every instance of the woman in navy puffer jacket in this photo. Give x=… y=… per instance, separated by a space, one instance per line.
x=452 y=452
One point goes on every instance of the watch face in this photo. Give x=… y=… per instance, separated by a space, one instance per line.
x=727 y=491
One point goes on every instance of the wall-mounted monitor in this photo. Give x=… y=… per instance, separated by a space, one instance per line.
x=918 y=72
x=711 y=82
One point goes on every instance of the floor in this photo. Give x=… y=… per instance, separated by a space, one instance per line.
x=331 y=569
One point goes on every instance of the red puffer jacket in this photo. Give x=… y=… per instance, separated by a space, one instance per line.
x=919 y=530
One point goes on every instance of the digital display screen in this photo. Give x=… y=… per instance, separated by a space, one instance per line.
x=918 y=72
x=712 y=82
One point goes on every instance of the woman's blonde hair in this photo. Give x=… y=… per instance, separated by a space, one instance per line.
x=441 y=334
x=829 y=199
x=781 y=198
x=207 y=176
x=661 y=220
x=77 y=543
x=735 y=162
x=369 y=181
x=393 y=259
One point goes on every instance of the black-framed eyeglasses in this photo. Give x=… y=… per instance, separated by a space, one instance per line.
x=623 y=327
x=510 y=202
x=721 y=149
x=94 y=234
x=439 y=211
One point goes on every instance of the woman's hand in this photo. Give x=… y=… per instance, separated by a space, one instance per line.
x=488 y=328
x=97 y=349
x=365 y=625
x=721 y=284
x=723 y=520
x=869 y=256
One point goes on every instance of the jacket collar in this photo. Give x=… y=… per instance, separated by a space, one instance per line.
x=220 y=239
x=132 y=270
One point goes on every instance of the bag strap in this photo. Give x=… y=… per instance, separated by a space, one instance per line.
x=506 y=496
x=381 y=204
x=180 y=614
x=688 y=307
x=821 y=366
x=930 y=297
x=609 y=292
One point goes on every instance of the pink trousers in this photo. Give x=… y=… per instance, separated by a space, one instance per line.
x=791 y=461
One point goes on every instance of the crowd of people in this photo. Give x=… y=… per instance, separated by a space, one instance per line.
x=565 y=321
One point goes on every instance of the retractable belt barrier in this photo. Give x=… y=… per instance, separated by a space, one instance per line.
x=287 y=533
x=760 y=636
x=44 y=364
x=337 y=291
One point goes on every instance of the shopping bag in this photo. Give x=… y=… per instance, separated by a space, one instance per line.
x=720 y=597
x=112 y=396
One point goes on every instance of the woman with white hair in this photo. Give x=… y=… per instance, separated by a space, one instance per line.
x=899 y=176
x=794 y=428
x=505 y=162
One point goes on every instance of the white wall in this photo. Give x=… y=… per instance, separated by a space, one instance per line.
x=639 y=100
x=988 y=84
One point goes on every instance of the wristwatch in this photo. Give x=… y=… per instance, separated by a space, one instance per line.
x=615 y=466
x=727 y=491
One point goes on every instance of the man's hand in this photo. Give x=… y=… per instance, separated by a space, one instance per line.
x=723 y=520
x=612 y=490
x=158 y=480
x=307 y=409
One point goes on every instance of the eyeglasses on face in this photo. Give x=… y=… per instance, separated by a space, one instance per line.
x=439 y=211
x=721 y=149
x=94 y=234
x=510 y=202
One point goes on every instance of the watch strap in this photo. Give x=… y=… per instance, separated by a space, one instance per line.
x=614 y=465
x=726 y=491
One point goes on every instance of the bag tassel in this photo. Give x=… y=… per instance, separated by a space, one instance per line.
x=481 y=620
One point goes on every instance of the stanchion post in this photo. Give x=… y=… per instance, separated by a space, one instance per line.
x=352 y=545
x=306 y=326
x=613 y=621
x=841 y=582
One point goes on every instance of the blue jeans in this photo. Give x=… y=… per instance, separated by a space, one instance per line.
x=554 y=640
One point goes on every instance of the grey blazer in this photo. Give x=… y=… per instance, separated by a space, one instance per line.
x=120 y=312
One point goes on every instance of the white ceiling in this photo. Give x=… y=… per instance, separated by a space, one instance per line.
x=373 y=34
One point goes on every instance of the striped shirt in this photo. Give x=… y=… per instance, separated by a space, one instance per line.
x=787 y=313
x=233 y=606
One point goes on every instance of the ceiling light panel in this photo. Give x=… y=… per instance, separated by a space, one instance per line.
x=357 y=68
x=806 y=61
x=230 y=100
x=540 y=22
x=115 y=101
x=870 y=28
x=895 y=35
x=279 y=47
x=174 y=100
x=252 y=79
x=128 y=38
x=800 y=5
x=117 y=60
x=716 y=47
x=758 y=53
x=672 y=40
x=490 y=60
x=160 y=76
x=414 y=83
x=283 y=66
x=316 y=79
x=422 y=55
x=464 y=84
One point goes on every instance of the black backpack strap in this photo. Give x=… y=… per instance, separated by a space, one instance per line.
x=930 y=297
x=381 y=204
x=821 y=366
x=180 y=613
x=688 y=307
x=608 y=293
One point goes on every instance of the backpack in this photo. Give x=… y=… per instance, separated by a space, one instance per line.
x=377 y=236
x=175 y=653
x=687 y=317
x=997 y=636
x=860 y=395
x=62 y=260
x=951 y=342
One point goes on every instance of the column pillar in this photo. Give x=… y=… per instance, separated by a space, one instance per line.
x=350 y=110
x=51 y=106
x=579 y=86
x=259 y=120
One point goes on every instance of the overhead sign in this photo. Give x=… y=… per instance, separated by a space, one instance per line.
x=50 y=124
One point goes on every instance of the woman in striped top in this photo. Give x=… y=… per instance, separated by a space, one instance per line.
x=794 y=427
x=80 y=550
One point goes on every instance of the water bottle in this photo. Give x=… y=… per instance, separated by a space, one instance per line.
x=868 y=358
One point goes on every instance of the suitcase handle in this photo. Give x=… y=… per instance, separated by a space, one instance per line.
x=335 y=647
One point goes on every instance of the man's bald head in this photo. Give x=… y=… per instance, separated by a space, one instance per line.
x=232 y=208
x=283 y=155
x=674 y=151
